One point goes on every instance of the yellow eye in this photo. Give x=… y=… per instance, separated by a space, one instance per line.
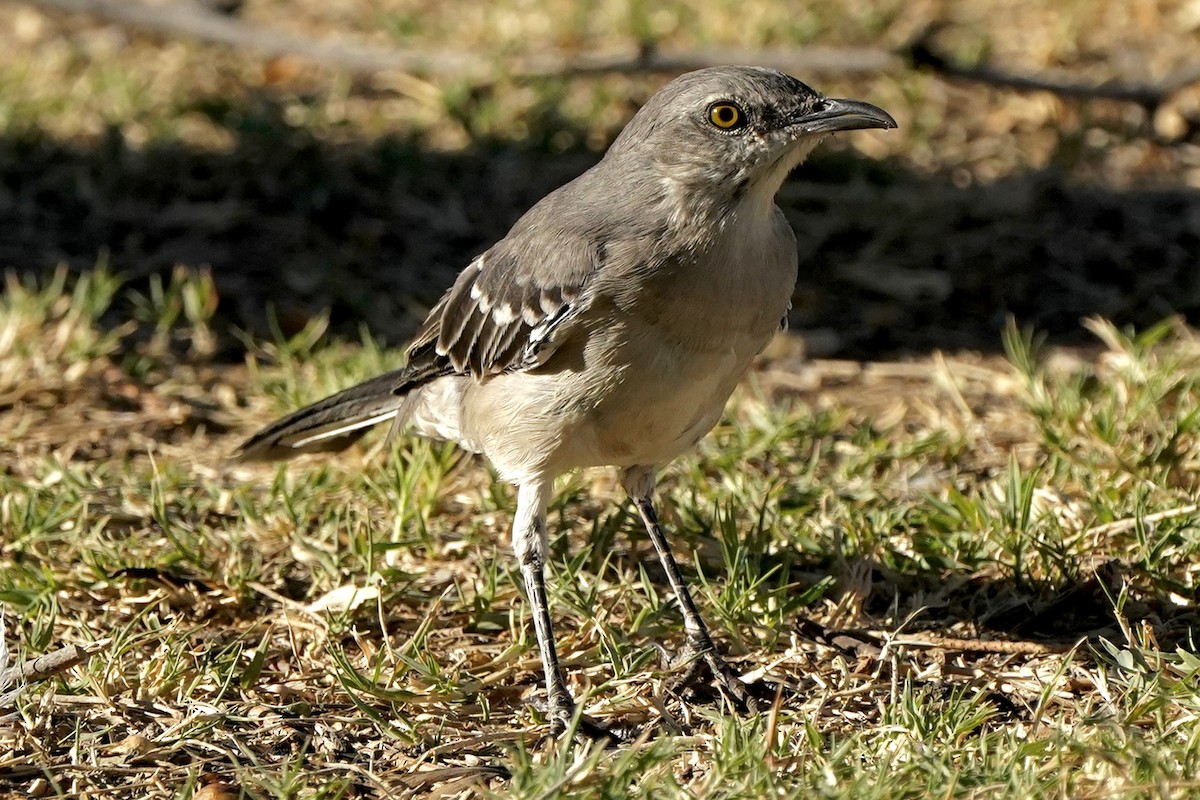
x=725 y=116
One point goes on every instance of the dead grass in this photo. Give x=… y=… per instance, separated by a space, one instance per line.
x=308 y=191
x=958 y=570
x=973 y=573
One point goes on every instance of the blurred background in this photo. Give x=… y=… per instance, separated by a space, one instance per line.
x=350 y=156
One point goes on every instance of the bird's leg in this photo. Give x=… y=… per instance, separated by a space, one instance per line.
x=531 y=547
x=700 y=648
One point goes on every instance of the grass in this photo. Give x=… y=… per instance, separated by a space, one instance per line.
x=972 y=577
x=318 y=193
x=972 y=574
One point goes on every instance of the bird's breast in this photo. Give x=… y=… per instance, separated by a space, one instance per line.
x=650 y=365
x=692 y=333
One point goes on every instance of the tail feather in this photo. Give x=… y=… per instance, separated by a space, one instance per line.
x=330 y=424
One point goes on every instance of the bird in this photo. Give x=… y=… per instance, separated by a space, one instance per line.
x=611 y=324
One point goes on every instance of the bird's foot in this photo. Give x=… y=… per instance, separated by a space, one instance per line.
x=560 y=713
x=699 y=657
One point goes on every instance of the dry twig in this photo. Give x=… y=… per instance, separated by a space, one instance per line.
x=191 y=19
x=922 y=55
x=1001 y=646
x=45 y=666
x=195 y=21
x=1129 y=523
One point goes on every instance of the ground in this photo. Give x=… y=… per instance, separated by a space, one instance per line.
x=951 y=515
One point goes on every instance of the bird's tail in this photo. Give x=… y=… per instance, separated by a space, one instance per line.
x=330 y=424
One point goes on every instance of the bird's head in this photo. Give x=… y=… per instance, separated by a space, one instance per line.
x=736 y=132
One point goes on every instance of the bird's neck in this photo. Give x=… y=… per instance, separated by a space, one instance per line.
x=697 y=217
x=698 y=208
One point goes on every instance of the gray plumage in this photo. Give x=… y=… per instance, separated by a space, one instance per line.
x=611 y=324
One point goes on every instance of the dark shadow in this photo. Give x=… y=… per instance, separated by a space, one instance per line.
x=374 y=230
x=1098 y=601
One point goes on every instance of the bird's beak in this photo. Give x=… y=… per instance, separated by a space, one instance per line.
x=834 y=114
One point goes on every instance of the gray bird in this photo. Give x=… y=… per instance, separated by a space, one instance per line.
x=612 y=323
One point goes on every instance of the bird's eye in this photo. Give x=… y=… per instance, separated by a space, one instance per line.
x=726 y=116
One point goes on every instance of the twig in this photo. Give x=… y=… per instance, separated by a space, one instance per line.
x=873 y=644
x=1002 y=646
x=318 y=621
x=424 y=778
x=807 y=60
x=195 y=21
x=1129 y=523
x=45 y=666
x=922 y=55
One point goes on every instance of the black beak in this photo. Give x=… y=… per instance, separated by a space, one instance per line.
x=834 y=114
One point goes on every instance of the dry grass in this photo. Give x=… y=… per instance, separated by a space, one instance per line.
x=969 y=576
x=309 y=191
x=973 y=574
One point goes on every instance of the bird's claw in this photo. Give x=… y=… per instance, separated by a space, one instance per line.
x=560 y=713
x=694 y=658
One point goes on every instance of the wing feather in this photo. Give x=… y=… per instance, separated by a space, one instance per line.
x=508 y=310
x=505 y=311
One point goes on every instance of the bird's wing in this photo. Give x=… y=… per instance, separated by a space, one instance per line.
x=508 y=310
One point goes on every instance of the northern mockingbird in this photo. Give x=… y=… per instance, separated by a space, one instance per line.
x=611 y=324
